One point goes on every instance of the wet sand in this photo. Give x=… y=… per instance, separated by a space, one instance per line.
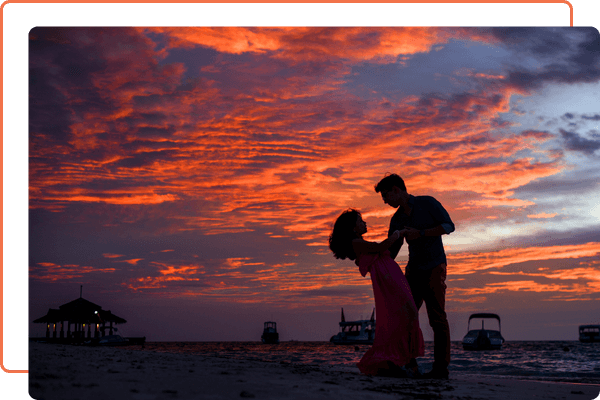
x=65 y=372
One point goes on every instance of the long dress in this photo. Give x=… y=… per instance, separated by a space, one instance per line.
x=398 y=337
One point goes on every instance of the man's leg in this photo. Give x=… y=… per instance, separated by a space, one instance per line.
x=435 y=301
x=415 y=281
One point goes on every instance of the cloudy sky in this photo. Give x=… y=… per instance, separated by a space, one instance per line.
x=188 y=178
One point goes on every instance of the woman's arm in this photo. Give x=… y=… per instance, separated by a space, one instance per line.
x=363 y=246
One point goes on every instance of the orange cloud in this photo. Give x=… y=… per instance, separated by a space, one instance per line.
x=54 y=272
x=250 y=144
x=245 y=280
x=124 y=199
x=542 y=215
x=133 y=261
x=467 y=263
x=166 y=269
x=488 y=76
x=315 y=44
x=513 y=286
x=171 y=276
x=110 y=255
x=569 y=284
x=590 y=274
x=218 y=146
x=587 y=285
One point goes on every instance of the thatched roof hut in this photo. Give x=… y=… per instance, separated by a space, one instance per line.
x=82 y=314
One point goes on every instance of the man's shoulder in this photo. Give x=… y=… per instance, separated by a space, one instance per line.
x=428 y=202
x=427 y=199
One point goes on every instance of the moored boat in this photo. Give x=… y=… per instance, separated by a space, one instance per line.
x=483 y=339
x=270 y=335
x=589 y=333
x=355 y=332
x=113 y=340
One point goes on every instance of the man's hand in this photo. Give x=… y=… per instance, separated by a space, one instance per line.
x=411 y=233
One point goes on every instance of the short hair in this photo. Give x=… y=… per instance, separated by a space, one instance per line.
x=340 y=240
x=388 y=182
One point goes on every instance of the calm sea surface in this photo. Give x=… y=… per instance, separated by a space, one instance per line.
x=565 y=361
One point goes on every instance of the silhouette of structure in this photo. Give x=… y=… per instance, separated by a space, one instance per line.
x=270 y=335
x=84 y=321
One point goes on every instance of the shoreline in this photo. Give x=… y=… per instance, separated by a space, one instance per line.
x=69 y=372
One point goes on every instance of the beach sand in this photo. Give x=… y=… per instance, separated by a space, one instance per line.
x=65 y=372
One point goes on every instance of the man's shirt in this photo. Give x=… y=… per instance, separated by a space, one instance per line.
x=426 y=252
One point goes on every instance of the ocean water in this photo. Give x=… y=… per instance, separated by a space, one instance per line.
x=561 y=361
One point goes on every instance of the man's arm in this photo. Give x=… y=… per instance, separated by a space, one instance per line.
x=412 y=233
x=440 y=215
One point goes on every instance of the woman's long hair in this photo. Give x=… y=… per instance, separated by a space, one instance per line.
x=340 y=240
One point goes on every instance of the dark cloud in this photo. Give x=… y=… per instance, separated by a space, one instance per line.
x=153 y=132
x=333 y=172
x=438 y=109
x=559 y=185
x=147 y=158
x=48 y=110
x=562 y=61
x=541 y=42
x=575 y=142
x=85 y=64
x=269 y=137
x=151 y=100
x=148 y=118
x=448 y=145
x=63 y=65
x=595 y=117
x=585 y=117
x=554 y=238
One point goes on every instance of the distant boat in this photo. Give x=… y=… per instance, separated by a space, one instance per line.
x=589 y=333
x=483 y=339
x=355 y=332
x=111 y=340
x=270 y=335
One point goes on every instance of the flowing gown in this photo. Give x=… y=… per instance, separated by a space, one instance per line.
x=398 y=337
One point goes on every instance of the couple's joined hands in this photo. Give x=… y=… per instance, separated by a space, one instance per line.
x=408 y=233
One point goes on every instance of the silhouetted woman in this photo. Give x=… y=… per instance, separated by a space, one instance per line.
x=398 y=338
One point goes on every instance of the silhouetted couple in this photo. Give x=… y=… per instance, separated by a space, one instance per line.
x=421 y=220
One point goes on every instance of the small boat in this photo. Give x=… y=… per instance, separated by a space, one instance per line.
x=355 y=332
x=589 y=333
x=270 y=335
x=483 y=339
x=108 y=340
x=113 y=340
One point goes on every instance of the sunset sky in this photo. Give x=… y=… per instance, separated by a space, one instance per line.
x=189 y=178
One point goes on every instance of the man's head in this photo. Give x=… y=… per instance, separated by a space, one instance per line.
x=392 y=189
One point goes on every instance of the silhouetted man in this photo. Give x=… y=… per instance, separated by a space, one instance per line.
x=423 y=220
